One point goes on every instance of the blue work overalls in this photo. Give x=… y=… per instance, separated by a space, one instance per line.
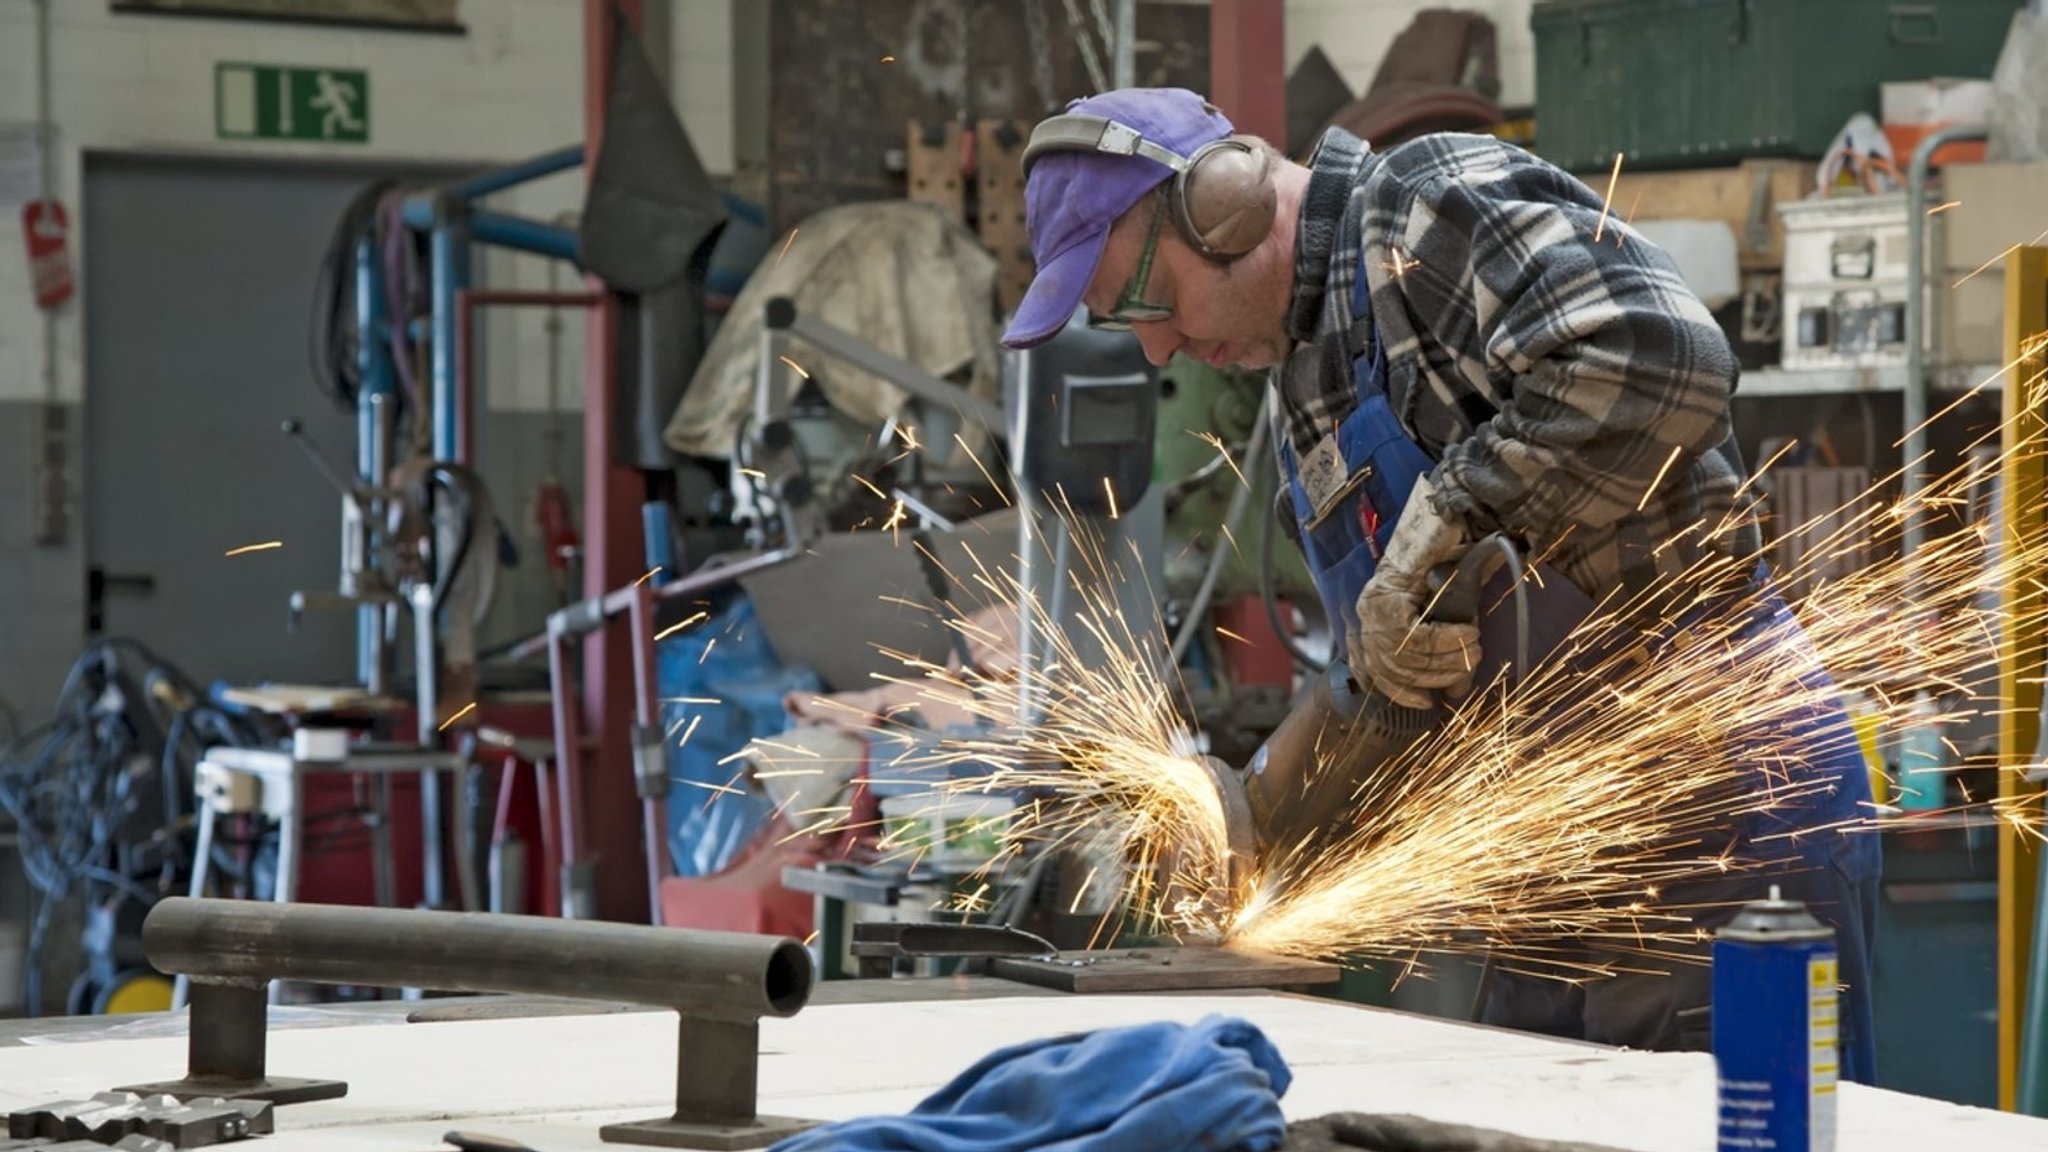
x=1346 y=497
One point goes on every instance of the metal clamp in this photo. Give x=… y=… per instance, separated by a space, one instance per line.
x=719 y=983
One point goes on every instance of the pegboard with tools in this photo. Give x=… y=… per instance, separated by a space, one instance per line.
x=978 y=177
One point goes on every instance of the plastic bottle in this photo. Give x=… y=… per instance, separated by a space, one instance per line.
x=1922 y=757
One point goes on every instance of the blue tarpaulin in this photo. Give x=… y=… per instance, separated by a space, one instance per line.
x=720 y=686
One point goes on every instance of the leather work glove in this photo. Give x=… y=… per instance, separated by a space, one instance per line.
x=1355 y=1131
x=1402 y=655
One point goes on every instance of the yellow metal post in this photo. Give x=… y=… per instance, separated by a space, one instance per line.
x=2023 y=525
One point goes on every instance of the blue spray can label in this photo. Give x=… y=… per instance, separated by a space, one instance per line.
x=1776 y=1049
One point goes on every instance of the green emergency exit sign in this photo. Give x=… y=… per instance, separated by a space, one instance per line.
x=274 y=102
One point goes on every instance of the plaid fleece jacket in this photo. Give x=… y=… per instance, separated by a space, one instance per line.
x=1572 y=389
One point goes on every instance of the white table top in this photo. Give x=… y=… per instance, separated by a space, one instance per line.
x=549 y=1082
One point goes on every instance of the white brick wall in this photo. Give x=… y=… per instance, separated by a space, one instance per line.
x=510 y=88
x=1355 y=34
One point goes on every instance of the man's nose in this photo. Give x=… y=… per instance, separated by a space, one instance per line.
x=1159 y=341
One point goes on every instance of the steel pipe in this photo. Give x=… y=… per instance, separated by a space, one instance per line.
x=724 y=973
x=720 y=984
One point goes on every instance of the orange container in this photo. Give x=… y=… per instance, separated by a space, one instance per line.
x=1906 y=137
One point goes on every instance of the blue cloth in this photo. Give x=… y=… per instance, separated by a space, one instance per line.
x=1211 y=1087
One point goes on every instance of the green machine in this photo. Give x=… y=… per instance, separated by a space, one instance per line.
x=1197 y=402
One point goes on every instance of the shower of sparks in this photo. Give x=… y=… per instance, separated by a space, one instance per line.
x=869 y=485
x=1659 y=478
x=957 y=439
x=1109 y=490
x=908 y=434
x=678 y=626
x=706 y=653
x=1938 y=209
x=266 y=546
x=691 y=730
x=650 y=574
x=1225 y=632
x=1554 y=823
x=1607 y=201
x=752 y=473
x=1629 y=219
x=1222 y=452
x=791 y=239
x=1998 y=259
x=894 y=524
x=1566 y=810
x=466 y=710
x=1401 y=265
x=795 y=367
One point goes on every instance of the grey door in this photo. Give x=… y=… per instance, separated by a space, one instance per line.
x=198 y=288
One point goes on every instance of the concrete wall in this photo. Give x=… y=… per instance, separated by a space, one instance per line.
x=512 y=86
x=1354 y=34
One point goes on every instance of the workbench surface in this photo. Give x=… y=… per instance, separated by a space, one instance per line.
x=549 y=1081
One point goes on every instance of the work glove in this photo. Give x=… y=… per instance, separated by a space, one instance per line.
x=1353 y=1131
x=1402 y=655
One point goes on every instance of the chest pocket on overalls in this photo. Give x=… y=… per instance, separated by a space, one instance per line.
x=1350 y=488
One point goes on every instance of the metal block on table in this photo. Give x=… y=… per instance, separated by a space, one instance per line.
x=114 y=1116
x=1185 y=968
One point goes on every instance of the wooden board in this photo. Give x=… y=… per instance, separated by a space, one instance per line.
x=935 y=154
x=844 y=78
x=1188 y=968
x=999 y=195
x=290 y=699
x=1727 y=194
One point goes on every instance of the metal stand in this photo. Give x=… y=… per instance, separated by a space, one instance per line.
x=716 y=1083
x=719 y=983
x=229 y=1038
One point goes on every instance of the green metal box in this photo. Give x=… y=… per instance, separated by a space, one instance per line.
x=1695 y=83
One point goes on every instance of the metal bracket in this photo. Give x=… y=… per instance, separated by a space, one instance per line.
x=717 y=1074
x=228 y=1039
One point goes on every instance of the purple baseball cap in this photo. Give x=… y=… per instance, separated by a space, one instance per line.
x=1072 y=198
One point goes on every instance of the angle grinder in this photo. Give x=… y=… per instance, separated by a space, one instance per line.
x=1301 y=783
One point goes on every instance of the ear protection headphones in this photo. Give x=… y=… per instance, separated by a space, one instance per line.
x=1221 y=198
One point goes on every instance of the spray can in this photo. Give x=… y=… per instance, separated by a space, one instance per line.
x=1775 y=1029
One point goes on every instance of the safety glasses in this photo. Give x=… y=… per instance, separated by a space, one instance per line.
x=1132 y=307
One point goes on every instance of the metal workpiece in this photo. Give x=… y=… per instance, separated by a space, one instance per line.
x=1185 y=968
x=132 y=1143
x=719 y=983
x=878 y=945
x=163 y=1121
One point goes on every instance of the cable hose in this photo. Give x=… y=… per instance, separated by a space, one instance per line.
x=1232 y=516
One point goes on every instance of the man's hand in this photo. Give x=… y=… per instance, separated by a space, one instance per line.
x=1404 y=656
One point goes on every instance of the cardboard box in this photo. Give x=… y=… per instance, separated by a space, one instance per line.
x=1935 y=103
x=1746 y=198
x=1995 y=206
x=1916 y=109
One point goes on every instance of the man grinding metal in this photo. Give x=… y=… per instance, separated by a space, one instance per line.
x=1456 y=355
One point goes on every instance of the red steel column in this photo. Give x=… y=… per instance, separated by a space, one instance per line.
x=1248 y=65
x=611 y=558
